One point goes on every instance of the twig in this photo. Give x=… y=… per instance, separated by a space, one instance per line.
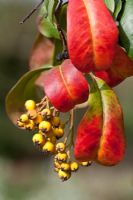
x=81 y=106
x=32 y=12
x=71 y=130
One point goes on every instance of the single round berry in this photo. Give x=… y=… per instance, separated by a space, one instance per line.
x=62 y=157
x=46 y=113
x=49 y=147
x=30 y=105
x=32 y=114
x=60 y=147
x=56 y=169
x=58 y=132
x=55 y=121
x=38 y=119
x=63 y=175
x=86 y=164
x=20 y=124
x=30 y=125
x=65 y=166
x=45 y=126
x=24 y=118
x=57 y=165
x=74 y=166
x=38 y=139
x=56 y=158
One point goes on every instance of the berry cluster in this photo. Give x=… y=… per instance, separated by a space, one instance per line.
x=62 y=163
x=45 y=120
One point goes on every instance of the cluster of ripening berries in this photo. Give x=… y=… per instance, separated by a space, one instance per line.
x=46 y=122
x=62 y=163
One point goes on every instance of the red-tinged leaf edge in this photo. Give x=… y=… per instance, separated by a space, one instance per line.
x=100 y=134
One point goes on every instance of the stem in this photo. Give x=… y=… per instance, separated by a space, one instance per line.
x=68 y=120
x=47 y=103
x=31 y=12
x=56 y=113
x=71 y=130
x=81 y=106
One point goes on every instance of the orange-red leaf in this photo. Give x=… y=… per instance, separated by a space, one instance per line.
x=121 y=68
x=65 y=86
x=92 y=35
x=100 y=135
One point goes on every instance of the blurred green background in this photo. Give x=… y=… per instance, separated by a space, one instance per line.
x=26 y=174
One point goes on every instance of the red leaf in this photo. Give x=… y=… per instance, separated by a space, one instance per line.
x=42 y=52
x=121 y=69
x=65 y=86
x=100 y=134
x=92 y=35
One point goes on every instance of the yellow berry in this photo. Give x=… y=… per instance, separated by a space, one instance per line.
x=62 y=157
x=65 y=166
x=46 y=113
x=48 y=147
x=38 y=119
x=74 y=166
x=57 y=165
x=86 y=164
x=56 y=169
x=32 y=114
x=56 y=158
x=20 y=124
x=58 y=132
x=24 y=118
x=45 y=126
x=63 y=175
x=55 y=121
x=30 y=125
x=38 y=139
x=60 y=147
x=30 y=105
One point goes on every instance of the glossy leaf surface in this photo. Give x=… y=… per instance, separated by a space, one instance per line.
x=121 y=69
x=65 y=86
x=126 y=28
x=117 y=8
x=24 y=89
x=46 y=19
x=110 y=4
x=100 y=134
x=92 y=35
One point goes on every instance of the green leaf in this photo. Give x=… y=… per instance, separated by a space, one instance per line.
x=126 y=28
x=110 y=4
x=117 y=8
x=47 y=25
x=100 y=134
x=58 y=49
x=24 y=89
x=63 y=16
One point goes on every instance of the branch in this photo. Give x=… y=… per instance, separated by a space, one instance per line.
x=32 y=12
